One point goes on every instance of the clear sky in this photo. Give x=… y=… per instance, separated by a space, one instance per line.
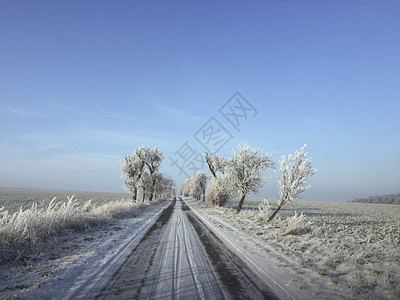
x=84 y=82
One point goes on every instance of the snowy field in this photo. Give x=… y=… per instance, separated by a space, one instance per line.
x=336 y=250
x=13 y=199
x=32 y=220
x=67 y=254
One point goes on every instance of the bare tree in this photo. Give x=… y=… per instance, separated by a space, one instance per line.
x=292 y=176
x=246 y=170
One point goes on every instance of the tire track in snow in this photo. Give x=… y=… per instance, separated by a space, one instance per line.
x=178 y=259
x=240 y=281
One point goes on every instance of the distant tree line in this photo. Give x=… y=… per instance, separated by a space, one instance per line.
x=385 y=199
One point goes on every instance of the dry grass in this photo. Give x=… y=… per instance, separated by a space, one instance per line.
x=357 y=246
x=29 y=231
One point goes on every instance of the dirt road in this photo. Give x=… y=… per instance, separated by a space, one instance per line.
x=179 y=258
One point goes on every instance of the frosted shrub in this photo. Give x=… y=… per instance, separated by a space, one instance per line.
x=28 y=231
x=293 y=174
x=214 y=196
x=118 y=209
x=219 y=192
x=296 y=225
x=264 y=209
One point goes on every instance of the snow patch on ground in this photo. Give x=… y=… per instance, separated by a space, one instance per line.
x=79 y=262
x=348 y=251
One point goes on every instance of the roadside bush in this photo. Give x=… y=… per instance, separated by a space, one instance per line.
x=27 y=231
x=118 y=209
x=218 y=193
x=296 y=225
x=264 y=210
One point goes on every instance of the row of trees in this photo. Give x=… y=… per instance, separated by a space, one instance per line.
x=244 y=172
x=143 y=178
x=195 y=186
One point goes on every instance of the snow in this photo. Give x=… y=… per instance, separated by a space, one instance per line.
x=351 y=251
x=79 y=264
x=169 y=263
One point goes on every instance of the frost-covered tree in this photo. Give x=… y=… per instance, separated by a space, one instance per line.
x=215 y=163
x=141 y=169
x=164 y=186
x=246 y=170
x=292 y=176
x=185 y=188
x=132 y=169
x=145 y=185
x=198 y=185
x=220 y=189
x=195 y=186
x=153 y=163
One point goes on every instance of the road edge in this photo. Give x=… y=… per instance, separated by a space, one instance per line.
x=239 y=248
x=84 y=283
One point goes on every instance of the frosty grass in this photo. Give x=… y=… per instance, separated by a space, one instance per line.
x=40 y=240
x=355 y=246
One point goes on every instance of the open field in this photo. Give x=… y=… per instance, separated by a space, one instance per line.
x=12 y=199
x=33 y=220
x=353 y=248
x=335 y=250
x=75 y=255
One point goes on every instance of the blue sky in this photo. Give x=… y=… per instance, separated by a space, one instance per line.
x=84 y=82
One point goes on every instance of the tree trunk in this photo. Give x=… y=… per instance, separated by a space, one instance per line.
x=275 y=212
x=134 y=194
x=153 y=183
x=240 y=203
x=144 y=194
x=210 y=166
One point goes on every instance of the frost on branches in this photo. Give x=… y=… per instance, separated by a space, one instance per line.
x=246 y=170
x=195 y=186
x=238 y=175
x=292 y=176
x=132 y=168
x=141 y=172
x=153 y=163
x=215 y=163
x=220 y=189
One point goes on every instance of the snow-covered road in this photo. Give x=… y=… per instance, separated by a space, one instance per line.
x=179 y=258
